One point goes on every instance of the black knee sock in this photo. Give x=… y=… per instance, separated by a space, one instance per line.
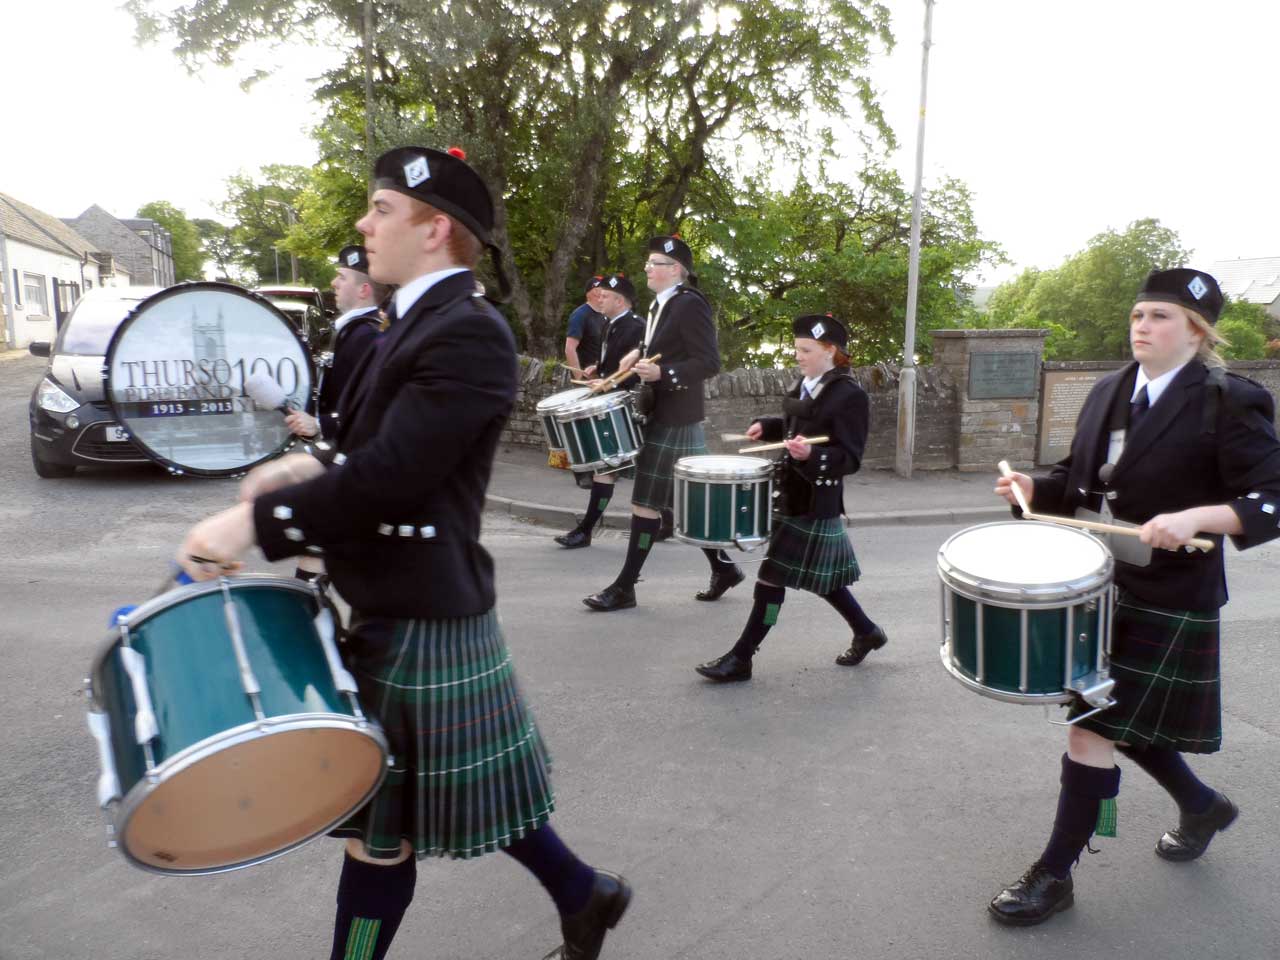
x=600 y=494
x=642 y=531
x=372 y=900
x=849 y=608
x=1079 y=800
x=566 y=878
x=764 y=614
x=718 y=559
x=1169 y=770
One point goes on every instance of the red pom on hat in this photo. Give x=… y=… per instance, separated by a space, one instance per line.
x=457 y=152
x=675 y=236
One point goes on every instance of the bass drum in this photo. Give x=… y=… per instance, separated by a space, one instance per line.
x=175 y=377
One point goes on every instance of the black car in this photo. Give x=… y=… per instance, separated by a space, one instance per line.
x=71 y=421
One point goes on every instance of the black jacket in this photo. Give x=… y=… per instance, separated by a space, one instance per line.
x=1171 y=461
x=348 y=348
x=620 y=336
x=685 y=335
x=814 y=488
x=398 y=514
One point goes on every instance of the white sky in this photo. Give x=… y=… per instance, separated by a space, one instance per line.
x=1065 y=118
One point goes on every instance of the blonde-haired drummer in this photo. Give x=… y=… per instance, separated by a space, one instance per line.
x=1174 y=443
x=809 y=548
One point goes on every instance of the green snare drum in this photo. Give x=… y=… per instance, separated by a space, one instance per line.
x=600 y=433
x=724 y=501
x=1026 y=613
x=228 y=729
x=546 y=409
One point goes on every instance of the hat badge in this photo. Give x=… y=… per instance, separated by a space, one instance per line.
x=668 y=246
x=818 y=330
x=1198 y=288
x=353 y=258
x=613 y=281
x=416 y=171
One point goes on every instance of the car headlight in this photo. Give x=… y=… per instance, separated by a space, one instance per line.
x=53 y=398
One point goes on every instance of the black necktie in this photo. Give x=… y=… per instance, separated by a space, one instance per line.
x=1138 y=408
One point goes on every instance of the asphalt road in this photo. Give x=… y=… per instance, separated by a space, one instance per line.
x=817 y=812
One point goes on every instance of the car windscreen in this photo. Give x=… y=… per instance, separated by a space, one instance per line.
x=91 y=325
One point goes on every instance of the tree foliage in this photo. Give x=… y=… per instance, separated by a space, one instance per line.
x=1244 y=325
x=1085 y=302
x=598 y=123
x=260 y=208
x=188 y=252
x=220 y=248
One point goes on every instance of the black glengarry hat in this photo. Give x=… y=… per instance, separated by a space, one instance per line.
x=619 y=284
x=596 y=281
x=821 y=326
x=1193 y=289
x=354 y=257
x=673 y=247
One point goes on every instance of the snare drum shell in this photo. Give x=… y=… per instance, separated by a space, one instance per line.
x=208 y=734
x=723 y=501
x=599 y=432
x=546 y=411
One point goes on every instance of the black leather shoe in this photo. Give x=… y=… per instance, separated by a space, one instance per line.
x=1191 y=836
x=721 y=582
x=730 y=668
x=584 y=931
x=1036 y=897
x=861 y=646
x=575 y=538
x=613 y=597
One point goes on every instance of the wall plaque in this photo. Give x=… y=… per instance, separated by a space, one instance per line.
x=1060 y=402
x=999 y=376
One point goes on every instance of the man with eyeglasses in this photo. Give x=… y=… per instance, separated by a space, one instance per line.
x=680 y=328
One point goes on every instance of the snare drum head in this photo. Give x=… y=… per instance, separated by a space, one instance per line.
x=723 y=467
x=1024 y=553
x=593 y=406
x=561 y=398
x=176 y=370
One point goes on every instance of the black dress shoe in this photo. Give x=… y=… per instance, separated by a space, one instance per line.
x=721 y=582
x=1036 y=897
x=575 y=538
x=613 y=597
x=1191 y=836
x=861 y=646
x=730 y=668
x=584 y=931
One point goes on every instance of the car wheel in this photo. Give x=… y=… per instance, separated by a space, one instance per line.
x=47 y=470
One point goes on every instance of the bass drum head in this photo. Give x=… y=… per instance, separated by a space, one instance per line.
x=175 y=378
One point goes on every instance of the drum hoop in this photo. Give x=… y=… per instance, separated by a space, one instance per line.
x=178 y=289
x=594 y=406
x=210 y=746
x=545 y=406
x=1035 y=594
x=1014 y=597
x=733 y=475
x=180 y=594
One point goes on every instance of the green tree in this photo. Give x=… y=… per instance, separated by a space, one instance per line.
x=220 y=248
x=1244 y=325
x=1085 y=302
x=260 y=208
x=188 y=252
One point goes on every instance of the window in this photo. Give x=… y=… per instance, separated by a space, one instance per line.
x=33 y=292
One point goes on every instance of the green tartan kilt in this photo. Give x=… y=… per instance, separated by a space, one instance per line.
x=1168 y=690
x=810 y=554
x=469 y=772
x=654 y=485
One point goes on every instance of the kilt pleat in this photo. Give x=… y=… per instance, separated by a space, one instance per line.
x=469 y=773
x=1168 y=688
x=654 y=485
x=810 y=554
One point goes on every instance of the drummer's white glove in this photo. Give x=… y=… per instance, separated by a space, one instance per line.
x=303 y=425
x=276 y=474
x=214 y=545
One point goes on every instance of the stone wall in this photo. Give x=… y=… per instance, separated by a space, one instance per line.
x=736 y=398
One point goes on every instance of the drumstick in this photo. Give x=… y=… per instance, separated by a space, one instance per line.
x=732 y=437
x=1200 y=543
x=760 y=448
x=582 y=383
x=616 y=378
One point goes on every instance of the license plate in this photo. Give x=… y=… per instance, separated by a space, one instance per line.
x=116 y=434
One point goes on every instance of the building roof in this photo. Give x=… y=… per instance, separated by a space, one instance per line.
x=1256 y=280
x=25 y=223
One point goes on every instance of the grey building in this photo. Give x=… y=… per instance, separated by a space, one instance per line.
x=143 y=248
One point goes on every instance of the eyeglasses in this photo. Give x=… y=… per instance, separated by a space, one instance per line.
x=658 y=263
